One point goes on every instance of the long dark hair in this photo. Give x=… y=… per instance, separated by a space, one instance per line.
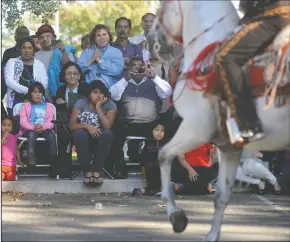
x=97 y=84
x=32 y=87
x=28 y=39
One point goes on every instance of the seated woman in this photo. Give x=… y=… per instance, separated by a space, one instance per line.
x=102 y=60
x=73 y=89
x=21 y=72
x=36 y=120
x=72 y=77
x=91 y=121
x=194 y=171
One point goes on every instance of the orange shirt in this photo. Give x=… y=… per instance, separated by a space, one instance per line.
x=199 y=156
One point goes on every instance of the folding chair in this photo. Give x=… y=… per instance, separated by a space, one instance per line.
x=16 y=112
x=125 y=148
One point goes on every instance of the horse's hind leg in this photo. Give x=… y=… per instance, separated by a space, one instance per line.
x=228 y=165
x=184 y=140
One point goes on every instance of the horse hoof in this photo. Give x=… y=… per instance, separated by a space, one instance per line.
x=212 y=237
x=179 y=221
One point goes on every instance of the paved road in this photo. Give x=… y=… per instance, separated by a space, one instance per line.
x=125 y=218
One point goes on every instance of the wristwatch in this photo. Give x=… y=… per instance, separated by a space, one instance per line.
x=99 y=62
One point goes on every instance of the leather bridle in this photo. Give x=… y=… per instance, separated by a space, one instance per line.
x=178 y=39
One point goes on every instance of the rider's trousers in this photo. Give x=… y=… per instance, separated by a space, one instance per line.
x=249 y=41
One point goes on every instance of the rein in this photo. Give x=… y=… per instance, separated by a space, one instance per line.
x=179 y=40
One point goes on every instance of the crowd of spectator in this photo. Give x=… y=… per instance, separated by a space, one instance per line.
x=113 y=90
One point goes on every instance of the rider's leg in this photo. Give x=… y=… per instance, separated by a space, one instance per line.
x=251 y=40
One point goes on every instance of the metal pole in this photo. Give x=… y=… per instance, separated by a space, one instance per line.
x=153 y=6
x=57 y=24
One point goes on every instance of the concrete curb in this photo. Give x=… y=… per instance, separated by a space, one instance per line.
x=49 y=186
x=45 y=185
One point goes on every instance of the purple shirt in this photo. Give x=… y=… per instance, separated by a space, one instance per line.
x=130 y=50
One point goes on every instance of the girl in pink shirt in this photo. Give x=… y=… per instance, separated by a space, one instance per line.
x=36 y=121
x=10 y=153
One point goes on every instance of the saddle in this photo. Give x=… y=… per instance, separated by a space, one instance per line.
x=269 y=73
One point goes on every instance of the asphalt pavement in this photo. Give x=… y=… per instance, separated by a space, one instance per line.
x=121 y=217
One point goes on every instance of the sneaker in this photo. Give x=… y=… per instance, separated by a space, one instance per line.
x=277 y=188
x=247 y=133
x=211 y=188
x=253 y=135
x=137 y=192
x=177 y=187
x=261 y=186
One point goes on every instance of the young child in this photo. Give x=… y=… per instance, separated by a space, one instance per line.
x=194 y=171
x=10 y=153
x=36 y=120
x=149 y=159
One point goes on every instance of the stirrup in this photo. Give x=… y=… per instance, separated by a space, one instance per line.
x=233 y=129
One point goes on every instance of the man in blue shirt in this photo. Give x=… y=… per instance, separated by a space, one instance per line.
x=123 y=28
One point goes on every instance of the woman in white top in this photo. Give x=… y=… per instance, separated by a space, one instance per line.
x=21 y=72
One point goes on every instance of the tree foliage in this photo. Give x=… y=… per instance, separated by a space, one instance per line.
x=14 y=10
x=78 y=19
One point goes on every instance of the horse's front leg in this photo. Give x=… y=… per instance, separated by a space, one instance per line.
x=228 y=165
x=184 y=140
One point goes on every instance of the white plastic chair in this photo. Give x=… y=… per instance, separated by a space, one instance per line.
x=16 y=112
x=125 y=147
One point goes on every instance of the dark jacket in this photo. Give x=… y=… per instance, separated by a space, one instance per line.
x=10 y=53
x=150 y=151
x=82 y=90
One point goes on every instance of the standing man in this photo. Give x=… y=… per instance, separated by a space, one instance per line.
x=139 y=95
x=86 y=42
x=36 y=41
x=123 y=28
x=54 y=54
x=146 y=23
x=20 y=33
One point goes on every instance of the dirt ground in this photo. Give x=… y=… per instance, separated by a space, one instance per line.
x=120 y=217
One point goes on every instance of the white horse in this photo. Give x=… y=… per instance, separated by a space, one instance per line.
x=186 y=20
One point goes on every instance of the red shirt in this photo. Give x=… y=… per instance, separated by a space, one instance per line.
x=199 y=156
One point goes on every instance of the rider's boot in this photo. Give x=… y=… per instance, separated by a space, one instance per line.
x=249 y=123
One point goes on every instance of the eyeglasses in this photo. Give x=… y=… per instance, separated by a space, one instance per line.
x=72 y=74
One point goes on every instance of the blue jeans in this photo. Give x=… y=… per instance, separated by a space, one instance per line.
x=50 y=139
x=47 y=134
x=86 y=145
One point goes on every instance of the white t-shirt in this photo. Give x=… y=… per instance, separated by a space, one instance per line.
x=137 y=40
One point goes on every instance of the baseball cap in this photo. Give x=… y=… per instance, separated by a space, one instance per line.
x=46 y=28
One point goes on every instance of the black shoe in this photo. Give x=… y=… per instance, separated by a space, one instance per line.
x=121 y=175
x=52 y=174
